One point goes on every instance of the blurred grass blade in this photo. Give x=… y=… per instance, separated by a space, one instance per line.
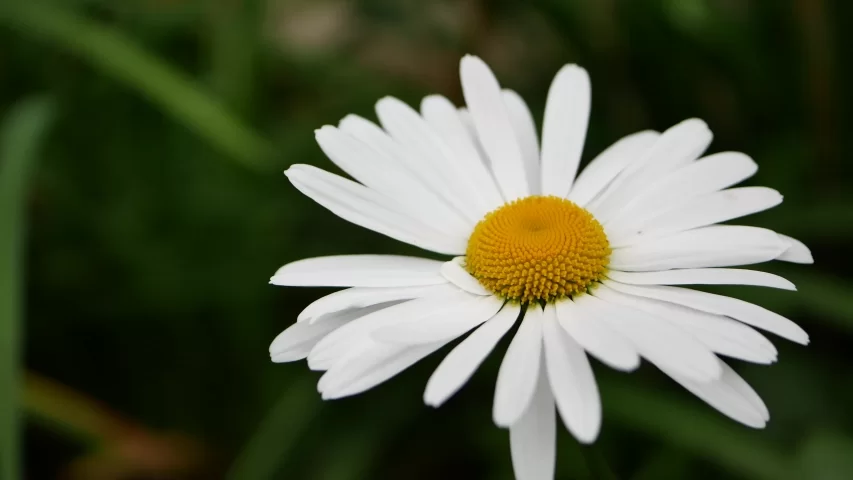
x=128 y=448
x=667 y=463
x=119 y=57
x=596 y=463
x=289 y=418
x=825 y=297
x=234 y=30
x=826 y=455
x=698 y=430
x=830 y=220
x=20 y=135
x=819 y=297
x=354 y=453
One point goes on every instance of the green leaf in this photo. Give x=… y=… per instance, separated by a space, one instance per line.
x=20 y=136
x=120 y=57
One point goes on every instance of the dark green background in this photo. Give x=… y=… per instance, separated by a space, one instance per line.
x=157 y=212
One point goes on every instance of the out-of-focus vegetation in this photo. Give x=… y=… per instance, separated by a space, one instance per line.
x=155 y=133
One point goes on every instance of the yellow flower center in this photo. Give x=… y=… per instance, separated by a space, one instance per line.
x=538 y=248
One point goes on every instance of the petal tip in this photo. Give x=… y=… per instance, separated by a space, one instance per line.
x=586 y=439
x=389 y=100
x=474 y=65
x=501 y=418
x=695 y=122
x=293 y=169
x=349 y=119
x=324 y=129
x=431 y=400
x=573 y=69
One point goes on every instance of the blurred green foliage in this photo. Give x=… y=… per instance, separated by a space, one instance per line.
x=20 y=137
x=158 y=211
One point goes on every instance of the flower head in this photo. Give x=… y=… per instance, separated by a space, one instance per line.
x=538 y=249
x=586 y=265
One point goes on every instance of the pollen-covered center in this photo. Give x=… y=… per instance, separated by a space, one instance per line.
x=538 y=248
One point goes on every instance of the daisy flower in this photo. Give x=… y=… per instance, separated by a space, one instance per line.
x=588 y=265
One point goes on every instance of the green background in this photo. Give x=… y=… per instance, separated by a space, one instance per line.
x=136 y=251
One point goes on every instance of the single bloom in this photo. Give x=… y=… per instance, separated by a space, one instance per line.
x=586 y=265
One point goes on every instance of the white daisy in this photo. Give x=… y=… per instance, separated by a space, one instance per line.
x=584 y=264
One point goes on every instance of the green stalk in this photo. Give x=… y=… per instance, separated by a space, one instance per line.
x=20 y=135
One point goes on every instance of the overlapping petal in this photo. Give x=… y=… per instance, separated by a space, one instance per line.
x=494 y=127
x=458 y=366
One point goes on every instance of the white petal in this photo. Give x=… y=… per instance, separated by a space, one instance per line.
x=335 y=346
x=454 y=318
x=564 y=129
x=433 y=189
x=720 y=305
x=447 y=122
x=677 y=146
x=376 y=169
x=465 y=116
x=456 y=274
x=572 y=380
x=358 y=159
x=797 y=251
x=468 y=121
x=442 y=116
x=703 y=276
x=707 y=175
x=360 y=271
x=357 y=297
x=657 y=340
x=359 y=350
x=525 y=132
x=720 y=334
x=519 y=370
x=607 y=165
x=373 y=368
x=459 y=365
x=715 y=246
x=596 y=337
x=731 y=395
x=708 y=209
x=368 y=208
x=494 y=128
x=297 y=340
x=533 y=438
x=407 y=127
